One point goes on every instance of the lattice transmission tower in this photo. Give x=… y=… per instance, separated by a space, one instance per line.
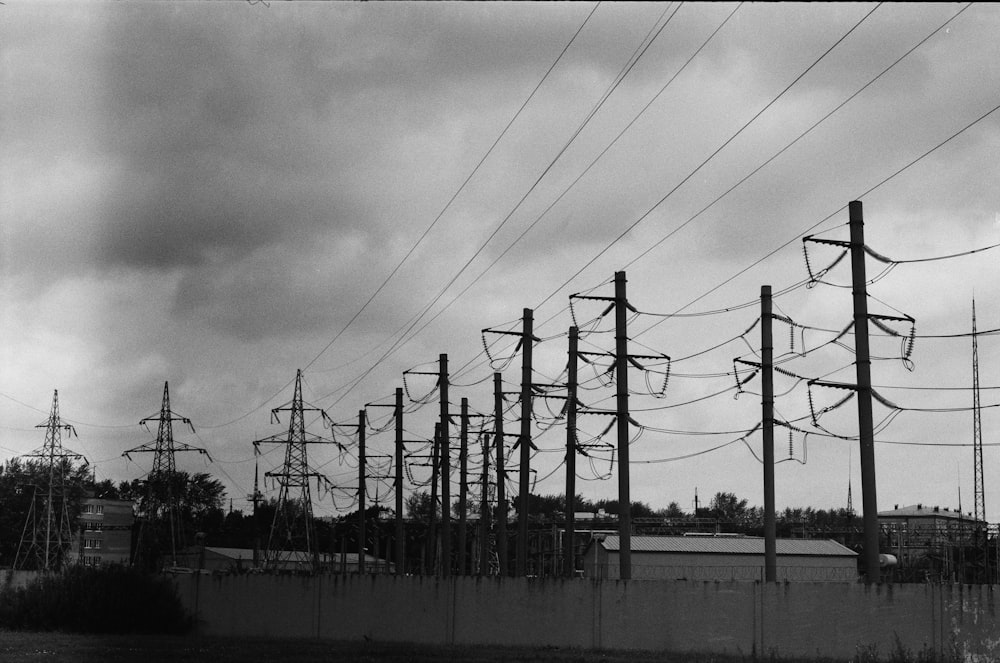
x=979 y=497
x=979 y=510
x=47 y=533
x=164 y=487
x=291 y=544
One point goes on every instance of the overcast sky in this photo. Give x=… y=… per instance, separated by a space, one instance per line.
x=208 y=193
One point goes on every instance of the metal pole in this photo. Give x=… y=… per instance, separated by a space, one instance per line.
x=524 y=440
x=361 y=491
x=864 y=377
x=463 y=478
x=569 y=549
x=400 y=536
x=501 y=475
x=767 y=425
x=445 y=470
x=621 y=361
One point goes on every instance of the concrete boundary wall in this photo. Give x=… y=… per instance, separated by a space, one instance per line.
x=786 y=619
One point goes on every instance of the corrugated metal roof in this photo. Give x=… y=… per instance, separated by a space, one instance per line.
x=731 y=545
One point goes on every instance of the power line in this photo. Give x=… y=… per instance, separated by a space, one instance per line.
x=709 y=158
x=426 y=309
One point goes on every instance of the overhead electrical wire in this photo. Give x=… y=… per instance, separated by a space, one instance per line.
x=711 y=156
x=603 y=151
x=881 y=183
x=426 y=309
x=461 y=188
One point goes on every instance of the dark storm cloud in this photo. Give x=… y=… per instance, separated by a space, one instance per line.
x=207 y=163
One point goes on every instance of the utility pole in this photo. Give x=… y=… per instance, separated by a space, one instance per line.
x=863 y=386
x=463 y=474
x=864 y=377
x=767 y=421
x=624 y=498
x=441 y=467
x=621 y=307
x=501 y=474
x=399 y=548
x=445 y=468
x=47 y=544
x=292 y=529
x=400 y=534
x=524 y=440
x=525 y=343
x=362 y=494
x=569 y=548
x=161 y=483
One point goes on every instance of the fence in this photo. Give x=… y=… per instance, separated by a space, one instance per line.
x=786 y=619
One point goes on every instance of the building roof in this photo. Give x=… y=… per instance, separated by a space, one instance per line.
x=925 y=511
x=291 y=555
x=729 y=545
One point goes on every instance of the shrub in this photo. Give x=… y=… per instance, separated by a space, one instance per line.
x=103 y=600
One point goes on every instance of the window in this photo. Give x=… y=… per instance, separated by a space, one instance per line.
x=93 y=544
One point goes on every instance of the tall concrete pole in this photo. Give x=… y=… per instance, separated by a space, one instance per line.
x=569 y=550
x=624 y=499
x=501 y=474
x=361 y=491
x=767 y=427
x=463 y=484
x=527 y=338
x=445 y=469
x=864 y=386
x=400 y=535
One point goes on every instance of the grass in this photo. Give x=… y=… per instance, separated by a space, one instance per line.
x=24 y=647
x=56 y=647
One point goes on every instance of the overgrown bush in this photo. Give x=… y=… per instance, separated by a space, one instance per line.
x=103 y=600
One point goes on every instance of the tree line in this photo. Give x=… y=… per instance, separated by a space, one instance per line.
x=202 y=509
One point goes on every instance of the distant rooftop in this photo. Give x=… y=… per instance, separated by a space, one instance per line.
x=924 y=511
x=733 y=545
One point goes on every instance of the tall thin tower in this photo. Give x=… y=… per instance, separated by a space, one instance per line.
x=979 y=510
x=47 y=533
x=292 y=541
x=163 y=490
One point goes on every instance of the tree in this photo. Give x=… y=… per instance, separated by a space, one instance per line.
x=673 y=510
x=418 y=506
x=19 y=481
x=727 y=508
x=198 y=499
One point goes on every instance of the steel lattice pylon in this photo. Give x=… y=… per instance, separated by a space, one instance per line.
x=162 y=487
x=979 y=490
x=47 y=533
x=291 y=544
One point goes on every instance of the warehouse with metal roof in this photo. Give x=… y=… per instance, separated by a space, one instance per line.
x=721 y=557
